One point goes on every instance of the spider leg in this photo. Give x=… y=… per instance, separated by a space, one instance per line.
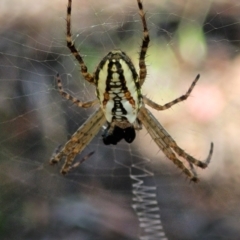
x=137 y=125
x=71 y=98
x=170 y=104
x=167 y=144
x=79 y=140
x=87 y=76
x=190 y=159
x=68 y=164
x=144 y=46
x=192 y=169
x=82 y=160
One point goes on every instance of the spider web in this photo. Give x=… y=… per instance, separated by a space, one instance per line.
x=124 y=191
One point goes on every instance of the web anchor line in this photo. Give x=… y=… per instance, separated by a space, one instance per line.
x=145 y=204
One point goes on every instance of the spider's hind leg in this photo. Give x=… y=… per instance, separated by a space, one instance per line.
x=71 y=98
x=144 y=46
x=159 y=107
x=84 y=70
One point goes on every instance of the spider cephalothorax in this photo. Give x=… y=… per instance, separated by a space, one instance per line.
x=122 y=106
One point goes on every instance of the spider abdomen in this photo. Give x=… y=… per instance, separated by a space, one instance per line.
x=118 y=87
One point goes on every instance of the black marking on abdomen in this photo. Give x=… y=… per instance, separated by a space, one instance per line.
x=114 y=87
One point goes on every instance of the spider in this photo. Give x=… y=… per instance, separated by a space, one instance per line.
x=122 y=106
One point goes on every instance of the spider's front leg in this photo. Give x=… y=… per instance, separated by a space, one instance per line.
x=79 y=140
x=192 y=160
x=169 y=147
